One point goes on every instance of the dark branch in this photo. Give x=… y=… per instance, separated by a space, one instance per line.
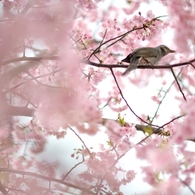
x=120 y=91
x=22 y=59
x=178 y=84
x=139 y=67
x=187 y=185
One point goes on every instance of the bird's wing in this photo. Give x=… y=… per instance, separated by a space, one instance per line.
x=143 y=52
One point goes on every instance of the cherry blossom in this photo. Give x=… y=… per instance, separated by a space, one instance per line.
x=60 y=79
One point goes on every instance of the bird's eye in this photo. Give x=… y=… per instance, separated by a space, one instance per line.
x=164 y=50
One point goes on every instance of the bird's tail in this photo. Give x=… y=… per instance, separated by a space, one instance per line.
x=130 y=68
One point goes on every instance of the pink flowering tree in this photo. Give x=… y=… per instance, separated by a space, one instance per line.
x=60 y=74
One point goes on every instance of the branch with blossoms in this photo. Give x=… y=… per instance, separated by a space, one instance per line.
x=6 y=77
x=156 y=130
x=169 y=66
x=120 y=91
x=129 y=147
x=146 y=129
x=49 y=88
x=95 y=64
x=79 y=151
x=118 y=38
x=162 y=99
x=10 y=74
x=24 y=111
x=45 y=178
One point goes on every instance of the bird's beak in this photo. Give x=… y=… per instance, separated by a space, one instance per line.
x=172 y=51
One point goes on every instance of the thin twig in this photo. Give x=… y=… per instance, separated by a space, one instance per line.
x=192 y=65
x=187 y=185
x=98 y=48
x=160 y=103
x=120 y=37
x=66 y=175
x=34 y=78
x=80 y=139
x=120 y=91
x=178 y=84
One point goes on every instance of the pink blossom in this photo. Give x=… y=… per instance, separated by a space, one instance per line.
x=149 y=177
x=185 y=128
x=156 y=99
x=55 y=74
x=169 y=187
x=86 y=176
x=130 y=175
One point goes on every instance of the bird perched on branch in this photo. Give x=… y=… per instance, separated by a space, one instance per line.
x=146 y=56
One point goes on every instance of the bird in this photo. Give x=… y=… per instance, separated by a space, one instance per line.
x=146 y=56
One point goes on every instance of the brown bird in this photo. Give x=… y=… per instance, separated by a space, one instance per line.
x=146 y=56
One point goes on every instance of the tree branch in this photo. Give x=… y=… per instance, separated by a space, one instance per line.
x=139 y=67
x=120 y=37
x=84 y=189
x=187 y=185
x=100 y=65
x=13 y=72
x=120 y=91
x=178 y=84
x=143 y=128
x=157 y=129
